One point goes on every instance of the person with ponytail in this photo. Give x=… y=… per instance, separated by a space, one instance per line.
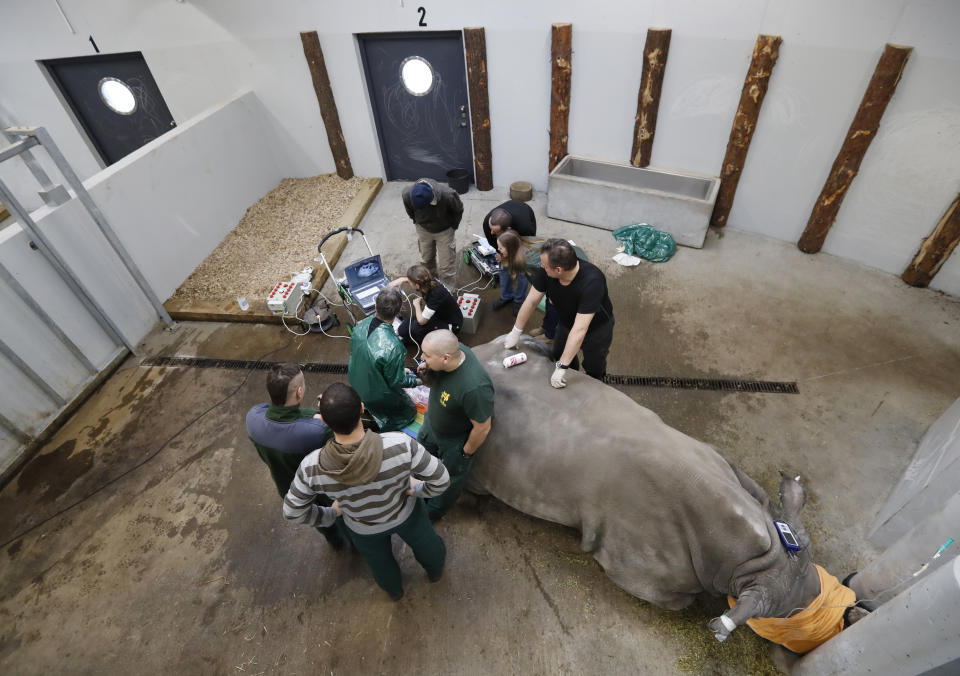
x=513 y=271
x=435 y=308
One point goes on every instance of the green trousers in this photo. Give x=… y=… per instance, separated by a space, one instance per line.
x=449 y=450
x=416 y=531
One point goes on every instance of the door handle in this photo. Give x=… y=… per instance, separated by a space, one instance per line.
x=463 y=116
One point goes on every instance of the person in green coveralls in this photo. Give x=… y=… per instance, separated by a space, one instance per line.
x=284 y=434
x=376 y=366
x=459 y=412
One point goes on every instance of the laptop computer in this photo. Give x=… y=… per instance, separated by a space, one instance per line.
x=365 y=278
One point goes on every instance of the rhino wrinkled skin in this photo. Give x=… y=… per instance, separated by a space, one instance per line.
x=664 y=514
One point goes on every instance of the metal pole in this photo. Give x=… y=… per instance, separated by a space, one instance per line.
x=32 y=164
x=8 y=425
x=46 y=140
x=30 y=373
x=15 y=149
x=47 y=249
x=29 y=301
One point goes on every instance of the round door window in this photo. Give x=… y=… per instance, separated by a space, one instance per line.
x=416 y=73
x=117 y=95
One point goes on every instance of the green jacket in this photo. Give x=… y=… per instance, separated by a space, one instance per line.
x=376 y=372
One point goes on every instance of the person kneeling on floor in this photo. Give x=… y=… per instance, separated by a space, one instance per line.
x=376 y=366
x=511 y=254
x=370 y=477
x=437 y=310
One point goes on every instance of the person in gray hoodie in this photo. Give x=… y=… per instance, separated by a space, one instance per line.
x=435 y=210
x=378 y=483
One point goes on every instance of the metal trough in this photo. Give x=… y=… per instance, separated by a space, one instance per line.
x=609 y=195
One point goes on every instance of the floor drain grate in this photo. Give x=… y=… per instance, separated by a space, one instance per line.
x=239 y=364
x=770 y=387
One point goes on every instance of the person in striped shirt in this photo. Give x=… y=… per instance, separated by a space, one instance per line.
x=371 y=479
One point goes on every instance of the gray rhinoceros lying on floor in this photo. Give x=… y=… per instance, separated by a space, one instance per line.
x=664 y=514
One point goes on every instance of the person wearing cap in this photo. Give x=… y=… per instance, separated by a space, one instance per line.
x=435 y=210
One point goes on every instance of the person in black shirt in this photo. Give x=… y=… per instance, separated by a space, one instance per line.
x=437 y=310
x=511 y=215
x=579 y=291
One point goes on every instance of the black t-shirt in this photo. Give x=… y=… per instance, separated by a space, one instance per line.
x=522 y=220
x=444 y=306
x=586 y=294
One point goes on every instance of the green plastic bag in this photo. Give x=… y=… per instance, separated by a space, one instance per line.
x=640 y=239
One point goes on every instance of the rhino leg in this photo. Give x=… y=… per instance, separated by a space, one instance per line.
x=748 y=605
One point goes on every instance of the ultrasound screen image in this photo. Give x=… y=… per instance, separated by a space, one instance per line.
x=368 y=269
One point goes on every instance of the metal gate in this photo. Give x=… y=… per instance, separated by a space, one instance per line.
x=48 y=356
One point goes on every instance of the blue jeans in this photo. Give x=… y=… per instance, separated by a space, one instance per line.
x=510 y=290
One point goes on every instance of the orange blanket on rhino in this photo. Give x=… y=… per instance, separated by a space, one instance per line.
x=818 y=622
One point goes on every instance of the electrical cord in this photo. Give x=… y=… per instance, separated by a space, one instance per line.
x=413 y=318
x=150 y=457
x=319 y=324
x=296 y=313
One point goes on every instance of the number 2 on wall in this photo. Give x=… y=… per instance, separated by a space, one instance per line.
x=423 y=15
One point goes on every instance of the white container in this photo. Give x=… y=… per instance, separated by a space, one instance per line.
x=609 y=195
x=514 y=359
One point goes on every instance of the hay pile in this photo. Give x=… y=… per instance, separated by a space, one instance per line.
x=277 y=237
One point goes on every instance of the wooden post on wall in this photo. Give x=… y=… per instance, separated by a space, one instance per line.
x=328 y=107
x=655 y=52
x=765 y=53
x=475 y=43
x=936 y=248
x=561 y=54
x=862 y=130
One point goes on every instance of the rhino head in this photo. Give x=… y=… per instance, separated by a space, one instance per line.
x=778 y=583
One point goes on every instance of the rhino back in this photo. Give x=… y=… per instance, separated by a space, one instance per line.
x=663 y=513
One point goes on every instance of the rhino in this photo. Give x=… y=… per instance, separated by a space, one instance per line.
x=665 y=515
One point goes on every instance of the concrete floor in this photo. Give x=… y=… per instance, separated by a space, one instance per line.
x=147 y=536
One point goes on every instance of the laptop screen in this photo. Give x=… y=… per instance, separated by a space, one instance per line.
x=364 y=271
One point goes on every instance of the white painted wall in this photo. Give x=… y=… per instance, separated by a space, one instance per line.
x=201 y=51
x=170 y=203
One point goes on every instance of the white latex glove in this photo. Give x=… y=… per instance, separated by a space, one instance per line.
x=557 y=378
x=513 y=338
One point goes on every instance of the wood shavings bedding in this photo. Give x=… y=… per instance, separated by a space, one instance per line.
x=276 y=238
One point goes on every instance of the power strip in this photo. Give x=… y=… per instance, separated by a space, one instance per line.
x=470 y=308
x=285 y=298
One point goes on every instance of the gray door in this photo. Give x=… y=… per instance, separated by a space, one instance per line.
x=418 y=87
x=115 y=99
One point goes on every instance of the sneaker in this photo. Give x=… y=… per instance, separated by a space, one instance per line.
x=500 y=303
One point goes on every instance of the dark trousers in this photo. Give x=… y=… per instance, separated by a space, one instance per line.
x=550 y=319
x=338 y=534
x=416 y=531
x=596 y=345
x=449 y=452
x=411 y=328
